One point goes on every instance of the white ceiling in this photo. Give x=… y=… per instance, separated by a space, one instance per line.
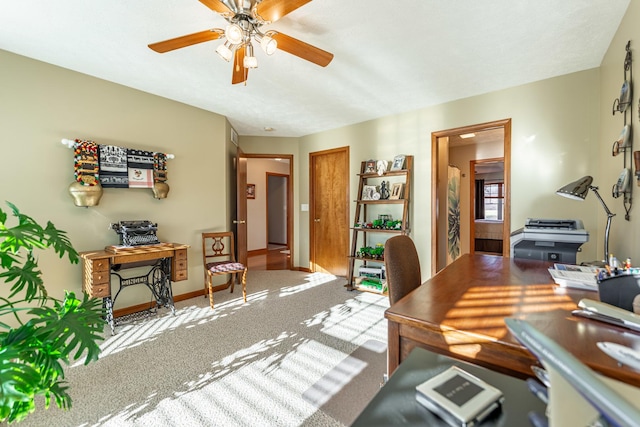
x=390 y=56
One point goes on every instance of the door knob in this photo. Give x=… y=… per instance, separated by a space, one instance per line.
x=316 y=220
x=239 y=222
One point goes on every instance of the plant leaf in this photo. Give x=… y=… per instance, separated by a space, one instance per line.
x=73 y=325
x=27 y=276
x=60 y=242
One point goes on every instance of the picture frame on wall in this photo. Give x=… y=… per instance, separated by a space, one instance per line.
x=398 y=162
x=397 y=191
x=251 y=191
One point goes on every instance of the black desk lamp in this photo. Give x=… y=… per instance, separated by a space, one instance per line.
x=578 y=191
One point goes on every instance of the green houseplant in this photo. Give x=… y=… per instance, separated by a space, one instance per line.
x=38 y=333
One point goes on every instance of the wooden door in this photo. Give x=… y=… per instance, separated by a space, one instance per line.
x=329 y=211
x=240 y=222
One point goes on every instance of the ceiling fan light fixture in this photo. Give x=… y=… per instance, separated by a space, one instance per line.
x=268 y=44
x=250 y=61
x=234 y=33
x=224 y=52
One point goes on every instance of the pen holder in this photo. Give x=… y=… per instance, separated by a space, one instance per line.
x=619 y=290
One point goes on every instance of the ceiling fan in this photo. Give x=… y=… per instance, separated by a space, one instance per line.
x=245 y=18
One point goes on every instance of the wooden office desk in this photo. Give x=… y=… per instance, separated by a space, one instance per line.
x=168 y=263
x=460 y=313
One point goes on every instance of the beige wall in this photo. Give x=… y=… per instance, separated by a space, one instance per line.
x=624 y=240
x=562 y=129
x=554 y=134
x=42 y=104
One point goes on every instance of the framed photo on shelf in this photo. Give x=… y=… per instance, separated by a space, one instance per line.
x=251 y=191
x=398 y=163
x=370 y=166
x=369 y=192
x=397 y=191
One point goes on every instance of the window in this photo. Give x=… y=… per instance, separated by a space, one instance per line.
x=494 y=201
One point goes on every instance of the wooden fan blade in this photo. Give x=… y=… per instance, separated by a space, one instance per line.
x=240 y=73
x=217 y=6
x=272 y=10
x=188 y=40
x=303 y=50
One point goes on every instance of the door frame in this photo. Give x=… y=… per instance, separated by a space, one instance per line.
x=239 y=223
x=437 y=148
x=290 y=185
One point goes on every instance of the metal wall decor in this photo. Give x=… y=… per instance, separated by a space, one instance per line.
x=624 y=144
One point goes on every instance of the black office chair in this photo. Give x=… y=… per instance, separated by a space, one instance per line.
x=402 y=267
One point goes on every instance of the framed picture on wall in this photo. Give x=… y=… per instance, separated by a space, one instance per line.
x=251 y=191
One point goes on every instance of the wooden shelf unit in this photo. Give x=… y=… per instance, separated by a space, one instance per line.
x=363 y=236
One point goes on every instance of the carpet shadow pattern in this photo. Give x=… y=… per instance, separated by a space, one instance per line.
x=283 y=358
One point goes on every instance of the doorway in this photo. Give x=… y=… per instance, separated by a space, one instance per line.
x=487 y=206
x=458 y=148
x=269 y=211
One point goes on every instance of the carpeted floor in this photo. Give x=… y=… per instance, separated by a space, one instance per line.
x=302 y=351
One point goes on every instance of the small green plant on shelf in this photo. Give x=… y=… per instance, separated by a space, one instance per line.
x=39 y=333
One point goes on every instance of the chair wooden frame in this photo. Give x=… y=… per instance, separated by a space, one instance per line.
x=218 y=258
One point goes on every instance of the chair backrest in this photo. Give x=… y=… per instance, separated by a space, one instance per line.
x=218 y=246
x=402 y=267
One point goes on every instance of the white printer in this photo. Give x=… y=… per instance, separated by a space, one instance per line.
x=556 y=240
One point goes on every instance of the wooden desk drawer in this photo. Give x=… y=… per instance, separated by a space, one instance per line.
x=99 y=290
x=180 y=265
x=99 y=265
x=181 y=254
x=178 y=275
x=100 y=277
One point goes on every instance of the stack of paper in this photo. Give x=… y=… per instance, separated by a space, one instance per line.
x=575 y=276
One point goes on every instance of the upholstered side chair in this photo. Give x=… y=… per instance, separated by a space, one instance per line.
x=218 y=258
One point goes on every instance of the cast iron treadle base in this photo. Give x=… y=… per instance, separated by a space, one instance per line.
x=133 y=317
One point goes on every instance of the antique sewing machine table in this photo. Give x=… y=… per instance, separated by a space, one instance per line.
x=167 y=261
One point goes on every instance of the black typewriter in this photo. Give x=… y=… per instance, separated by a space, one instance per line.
x=136 y=233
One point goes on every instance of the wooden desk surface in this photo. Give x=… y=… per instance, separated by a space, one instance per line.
x=460 y=313
x=123 y=255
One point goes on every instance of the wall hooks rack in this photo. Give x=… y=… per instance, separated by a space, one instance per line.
x=624 y=144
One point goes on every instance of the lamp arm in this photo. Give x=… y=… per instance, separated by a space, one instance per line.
x=606 y=231
x=606 y=209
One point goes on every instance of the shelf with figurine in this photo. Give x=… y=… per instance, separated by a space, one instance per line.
x=382 y=207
